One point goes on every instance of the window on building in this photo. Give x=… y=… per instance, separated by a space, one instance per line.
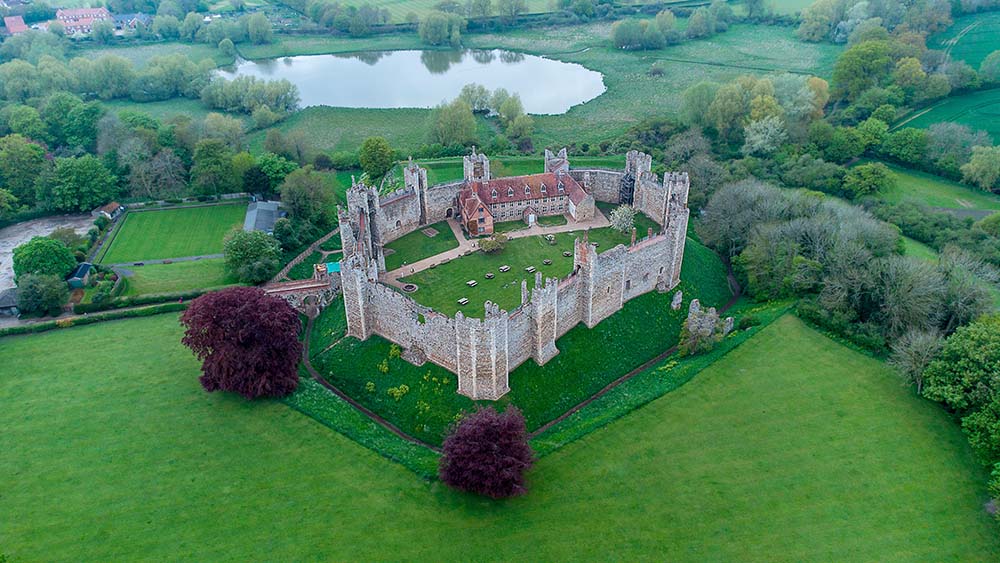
x=543 y=188
x=510 y=191
x=527 y=190
x=628 y=285
x=494 y=194
x=561 y=187
x=482 y=229
x=482 y=220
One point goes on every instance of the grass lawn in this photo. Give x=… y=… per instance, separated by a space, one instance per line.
x=169 y=108
x=139 y=55
x=934 y=191
x=416 y=246
x=173 y=233
x=305 y=270
x=791 y=448
x=179 y=276
x=919 y=250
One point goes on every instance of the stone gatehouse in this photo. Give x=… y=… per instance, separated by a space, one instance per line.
x=483 y=352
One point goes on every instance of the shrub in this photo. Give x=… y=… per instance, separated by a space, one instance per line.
x=747 y=321
x=41 y=293
x=252 y=256
x=494 y=244
x=45 y=256
x=375 y=156
x=487 y=453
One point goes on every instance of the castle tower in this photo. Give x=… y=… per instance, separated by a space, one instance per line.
x=556 y=162
x=361 y=217
x=544 y=319
x=357 y=277
x=476 y=167
x=482 y=354
x=415 y=178
x=675 y=227
x=637 y=165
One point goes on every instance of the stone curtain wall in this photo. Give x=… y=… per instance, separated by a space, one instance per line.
x=482 y=352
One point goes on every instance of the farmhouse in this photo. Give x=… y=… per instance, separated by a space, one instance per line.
x=81 y=20
x=483 y=352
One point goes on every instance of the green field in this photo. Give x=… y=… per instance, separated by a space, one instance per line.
x=934 y=191
x=173 y=233
x=140 y=55
x=971 y=38
x=416 y=246
x=978 y=110
x=791 y=448
x=441 y=287
x=170 y=108
x=632 y=93
x=176 y=277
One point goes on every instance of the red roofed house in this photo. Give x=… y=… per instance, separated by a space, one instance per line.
x=110 y=211
x=15 y=25
x=484 y=200
x=81 y=20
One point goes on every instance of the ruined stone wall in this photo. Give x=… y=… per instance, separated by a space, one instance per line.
x=651 y=199
x=569 y=305
x=440 y=199
x=399 y=213
x=602 y=184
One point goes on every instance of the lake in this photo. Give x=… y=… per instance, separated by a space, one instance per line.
x=424 y=79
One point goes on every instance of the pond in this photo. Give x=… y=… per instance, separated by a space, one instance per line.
x=424 y=79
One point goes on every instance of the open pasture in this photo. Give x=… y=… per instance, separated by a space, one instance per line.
x=971 y=38
x=978 y=110
x=173 y=233
x=929 y=190
x=176 y=277
x=790 y=447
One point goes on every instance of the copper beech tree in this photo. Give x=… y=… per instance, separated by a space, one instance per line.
x=487 y=453
x=247 y=342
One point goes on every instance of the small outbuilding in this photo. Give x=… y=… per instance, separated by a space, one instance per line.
x=262 y=215
x=80 y=276
x=110 y=211
x=8 y=302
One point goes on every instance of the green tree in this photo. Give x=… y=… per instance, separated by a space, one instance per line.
x=983 y=169
x=439 y=28
x=167 y=27
x=306 y=197
x=102 y=32
x=966 y=373
x=21 y=164
x=251 y=256
x=275 y=168
x=990 y=224
x=510 y=109
x=453 y=124
x=26 y=121
x=478 y=8
x=627 y=34
x=375 y=156
x=907 y=145
x=700 y=24
x=259 y=29
x=867 y=179
x=989 y=69
x=697 y=100
x=45 y=256
x=873 y=132
x=41 y=293
x=81 y=184
x=212 y=172
x=509 y=10
x=861 y=67
x=189 y=27
x=227 y=47
x=8 y=203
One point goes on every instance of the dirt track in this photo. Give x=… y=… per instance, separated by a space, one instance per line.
x=15 y=235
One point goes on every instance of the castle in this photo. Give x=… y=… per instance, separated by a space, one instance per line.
x=483 y=352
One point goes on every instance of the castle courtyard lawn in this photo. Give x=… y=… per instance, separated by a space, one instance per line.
x=790 y=448
x=179 y=276
x=416 y=246
x=173 y=233
x=441 y=287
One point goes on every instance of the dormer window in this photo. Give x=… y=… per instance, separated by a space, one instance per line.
x=527 y=190
x=543 y=189
x=494 y=194
x=561 y=187
x=510 y=191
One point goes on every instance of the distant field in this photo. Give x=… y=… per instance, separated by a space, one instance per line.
x=179 y=276
x=140 y=54
x=632 y=93
x=170 y=108
x=971 y=38
x=935 y=191
x=173 y=233
x=917 y=249
x=790 y=6
x=978 y=110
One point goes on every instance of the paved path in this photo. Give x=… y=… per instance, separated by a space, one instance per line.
x=166 y=260
x=467 y=246
x=283 y=274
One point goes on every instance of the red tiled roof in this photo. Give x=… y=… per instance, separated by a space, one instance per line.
x=513 y=188
x=15 y=25
x=83 y=13
x=111 y=207
x=470 y=204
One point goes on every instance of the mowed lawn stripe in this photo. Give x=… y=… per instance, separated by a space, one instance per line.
x=174 y=233
x=790 y=448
